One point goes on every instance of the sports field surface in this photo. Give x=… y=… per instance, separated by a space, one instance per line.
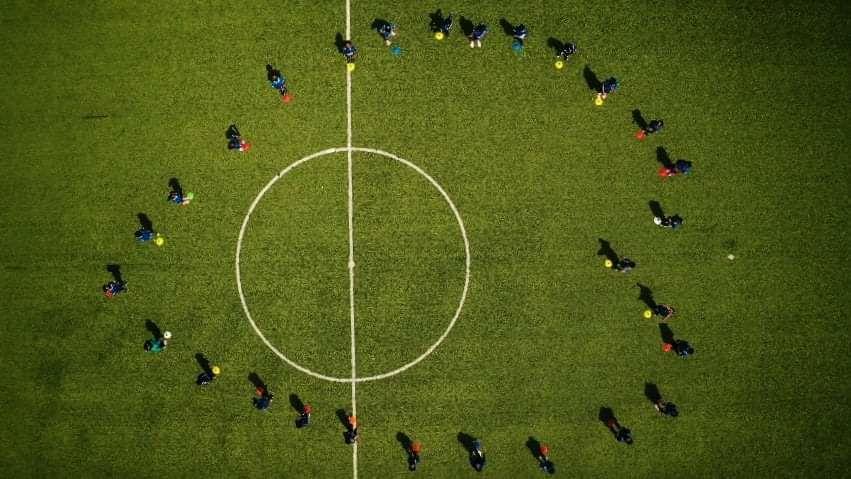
x=354 y=263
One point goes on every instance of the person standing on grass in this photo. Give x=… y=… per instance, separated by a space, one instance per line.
x=608 y=87
x=414 y=455
x=520 y=32
x=544 y=459
x=114 y=288
x=672 y=222
x=665 y=408
x=263 y=398
x=276 y=79
x=207 y=377
x=479 y=33
x=683 y=349
x=157 y=345
x=621 y=433
x=682 y=167
x=445 y=26
x=304 y=418
x=477 y=456
x=352 y=436
x=566 y=51
x=388 y=32
x=144 y=234
x=235 y=140
x=624 y=265
x=349 y=51
x=664 y=311
x=654 y=127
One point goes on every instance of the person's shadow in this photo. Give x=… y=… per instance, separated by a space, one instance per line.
x=174 y=184
x=651 y=392
x=591 y=79
x=534 y=447
x=296 y=403
x=203 y=363
x=667 y=334
x=378 y=23
x=607 y=251
x=606 y=416
x=556 y=44
x=663 y=157
x=467 y=441
x=153 y=329
x=507 y=27
x=436 y=19
x=645 y=295
x=466 y=26
x=638 y=119
x=145 y=222
x=339 y=42
x=256 y=381
x=343 y=417
x=656 y=209
x=406 y=442
x=115 y=271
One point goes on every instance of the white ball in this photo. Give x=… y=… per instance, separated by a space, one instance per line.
x=731 y=257
x=167 y=335
x=657 y=220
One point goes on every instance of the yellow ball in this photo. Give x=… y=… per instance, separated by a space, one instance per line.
x=159 y=241
x=350 y=67
x=607 y=263
x=216 y=370
x=598 y=101
x=438 y=36
x=648 y=314
x=559 y=64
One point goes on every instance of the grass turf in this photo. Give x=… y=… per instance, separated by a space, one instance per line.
x=105 y=102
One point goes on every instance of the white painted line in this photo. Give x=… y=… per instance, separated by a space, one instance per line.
x=244 y=302
x=351 y=238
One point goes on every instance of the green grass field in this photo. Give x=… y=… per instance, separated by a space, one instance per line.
x=103 y=102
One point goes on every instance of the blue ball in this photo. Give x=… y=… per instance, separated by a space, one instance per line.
x=396 y=50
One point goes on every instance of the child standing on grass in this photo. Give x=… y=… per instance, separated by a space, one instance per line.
x=520 y=32
x=621 y=433
x=352 y=436
x=624 y=265
x=388 y=32
x=263 y=398
x=608 y=87
x=207 y=377
x=157 y=345
x=235 y=140
x=414 y=455
x=349 y=51
x=477 y=456
x=665 y=408
x=276 y=79
x=566 y=51
x=664 y=311
x=114 y=288
x=143 y=235
x=544 y=459
x=654 y=126
x=479 y=33
x=304 y=417
x=446 y=25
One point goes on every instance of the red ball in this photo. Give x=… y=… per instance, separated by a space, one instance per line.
x=287 y=98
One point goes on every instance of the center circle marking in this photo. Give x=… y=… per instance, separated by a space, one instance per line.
x=431 y=348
